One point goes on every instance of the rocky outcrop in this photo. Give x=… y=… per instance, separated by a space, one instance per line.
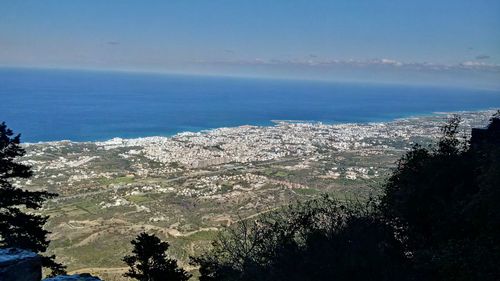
x=484 y=137
x=75 y=277
x=23 y=265
x=19 y=265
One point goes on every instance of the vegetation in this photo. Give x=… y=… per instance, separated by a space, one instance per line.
x=106 y=199
x=19 y=227
x=437 y=219
x=94 y=181
x=321 y=239
x=150 y=263
x=443 y=203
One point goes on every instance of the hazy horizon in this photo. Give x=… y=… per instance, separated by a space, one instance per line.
x=90 y=106
x=449 y=43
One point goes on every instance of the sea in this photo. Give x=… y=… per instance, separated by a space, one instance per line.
x=51 y=105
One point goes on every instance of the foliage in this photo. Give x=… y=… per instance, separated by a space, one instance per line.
x=442 y=202
x=18 y=227
x=150 y=263
x=321 y=239
x=438 y=219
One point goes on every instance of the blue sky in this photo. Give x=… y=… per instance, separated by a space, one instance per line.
x=439 y=41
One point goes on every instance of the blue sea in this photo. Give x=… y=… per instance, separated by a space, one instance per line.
x=49 y=105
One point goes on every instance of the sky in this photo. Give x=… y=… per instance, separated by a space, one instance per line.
x=452 y=42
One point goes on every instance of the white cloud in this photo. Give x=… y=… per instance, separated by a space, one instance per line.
x=381 y=62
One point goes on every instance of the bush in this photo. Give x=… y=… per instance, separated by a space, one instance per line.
x=322 y=239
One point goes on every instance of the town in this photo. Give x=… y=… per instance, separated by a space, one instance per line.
x=188 y=186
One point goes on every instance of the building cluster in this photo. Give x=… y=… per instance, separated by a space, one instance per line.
x=246 y=144
x=90 y=166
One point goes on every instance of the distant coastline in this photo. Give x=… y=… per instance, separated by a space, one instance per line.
x=96 y=106
x=275 y=123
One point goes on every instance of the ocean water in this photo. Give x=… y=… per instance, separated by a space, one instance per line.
x=48 y=105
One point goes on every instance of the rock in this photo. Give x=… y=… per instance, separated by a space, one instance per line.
x=74 y=277
x=484 y=137
x=19 y=265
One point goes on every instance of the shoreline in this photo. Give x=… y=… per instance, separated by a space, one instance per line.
x=274 y=124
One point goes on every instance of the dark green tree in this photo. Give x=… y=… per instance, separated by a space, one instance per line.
x=19 y=227
x=443 y=202
x=149 y=261
x=321 y=239
x=437 y=219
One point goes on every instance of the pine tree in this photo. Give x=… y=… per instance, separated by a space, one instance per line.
x=150 y=263
x=20 y=228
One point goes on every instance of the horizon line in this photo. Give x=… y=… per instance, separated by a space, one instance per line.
x=245 y=76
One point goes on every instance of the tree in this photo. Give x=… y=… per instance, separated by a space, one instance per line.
x=443 y=203
x=437 y=219
x=150 y=263
x=19 y=227
x=321 y=239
